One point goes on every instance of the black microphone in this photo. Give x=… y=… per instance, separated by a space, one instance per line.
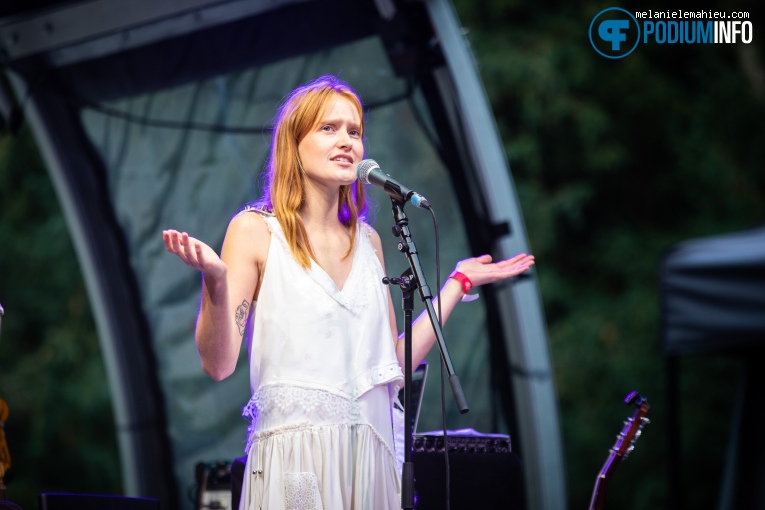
x=369 y=172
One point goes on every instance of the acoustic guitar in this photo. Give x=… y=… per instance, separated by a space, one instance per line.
x=625 y=443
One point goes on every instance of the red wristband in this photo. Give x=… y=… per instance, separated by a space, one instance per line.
x=464 y=281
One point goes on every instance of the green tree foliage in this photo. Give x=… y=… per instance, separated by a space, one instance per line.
x=60 y=430
x=615 y=161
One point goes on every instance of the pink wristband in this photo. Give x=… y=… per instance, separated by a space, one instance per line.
x=464 y=281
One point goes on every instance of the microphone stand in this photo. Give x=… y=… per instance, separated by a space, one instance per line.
x=414 y=278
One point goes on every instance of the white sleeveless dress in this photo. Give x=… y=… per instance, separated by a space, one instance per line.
x=323 y=374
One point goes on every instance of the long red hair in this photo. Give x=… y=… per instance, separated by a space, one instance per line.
x=284 y=193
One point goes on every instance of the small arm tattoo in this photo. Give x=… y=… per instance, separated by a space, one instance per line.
x=240 y=316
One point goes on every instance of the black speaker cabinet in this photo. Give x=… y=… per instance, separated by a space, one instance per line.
x=484 y=473
x=72 y=501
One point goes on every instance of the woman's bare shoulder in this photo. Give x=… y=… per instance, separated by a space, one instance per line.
x=249 y=232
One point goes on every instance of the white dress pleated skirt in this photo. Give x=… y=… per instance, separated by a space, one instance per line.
x=311 y=449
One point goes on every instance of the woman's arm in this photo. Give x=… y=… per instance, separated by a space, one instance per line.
x=229 y=286
x=480 y=270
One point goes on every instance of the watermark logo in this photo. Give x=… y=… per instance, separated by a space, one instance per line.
x=614 y=32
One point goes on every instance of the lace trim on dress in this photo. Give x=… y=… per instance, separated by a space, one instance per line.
x=286 y=397
x=301 y=491
x=312 y=402
x=281 y=397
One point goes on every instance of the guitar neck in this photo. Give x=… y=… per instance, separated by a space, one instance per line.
x=5 y=457
x=599 y=491
x=625 y=441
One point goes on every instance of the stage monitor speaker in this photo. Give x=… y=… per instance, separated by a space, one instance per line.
x=72 y=501
x=484 y=473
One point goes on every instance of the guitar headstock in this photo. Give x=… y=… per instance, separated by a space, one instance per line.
x=633 y=426
x=625 y=443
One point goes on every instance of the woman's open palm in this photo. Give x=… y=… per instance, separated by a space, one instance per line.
x=194 y=253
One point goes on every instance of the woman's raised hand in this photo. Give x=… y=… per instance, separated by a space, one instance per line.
x=482 y=270
x=194 y=253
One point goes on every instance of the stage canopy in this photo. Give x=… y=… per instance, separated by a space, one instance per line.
x=713 y=303
x=155 y=114
x=713 y=294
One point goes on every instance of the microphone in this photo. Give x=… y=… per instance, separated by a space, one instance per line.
x=369 y=172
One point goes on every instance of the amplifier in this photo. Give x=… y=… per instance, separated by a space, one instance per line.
x=462 y=441
x=484 y=472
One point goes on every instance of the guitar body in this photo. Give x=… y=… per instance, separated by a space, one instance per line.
x=625 y=443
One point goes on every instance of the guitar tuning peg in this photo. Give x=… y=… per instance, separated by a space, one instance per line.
x=645 y=420
x=633 y=398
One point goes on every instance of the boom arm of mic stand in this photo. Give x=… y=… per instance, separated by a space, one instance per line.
x=406 y=246
x=454 y=380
